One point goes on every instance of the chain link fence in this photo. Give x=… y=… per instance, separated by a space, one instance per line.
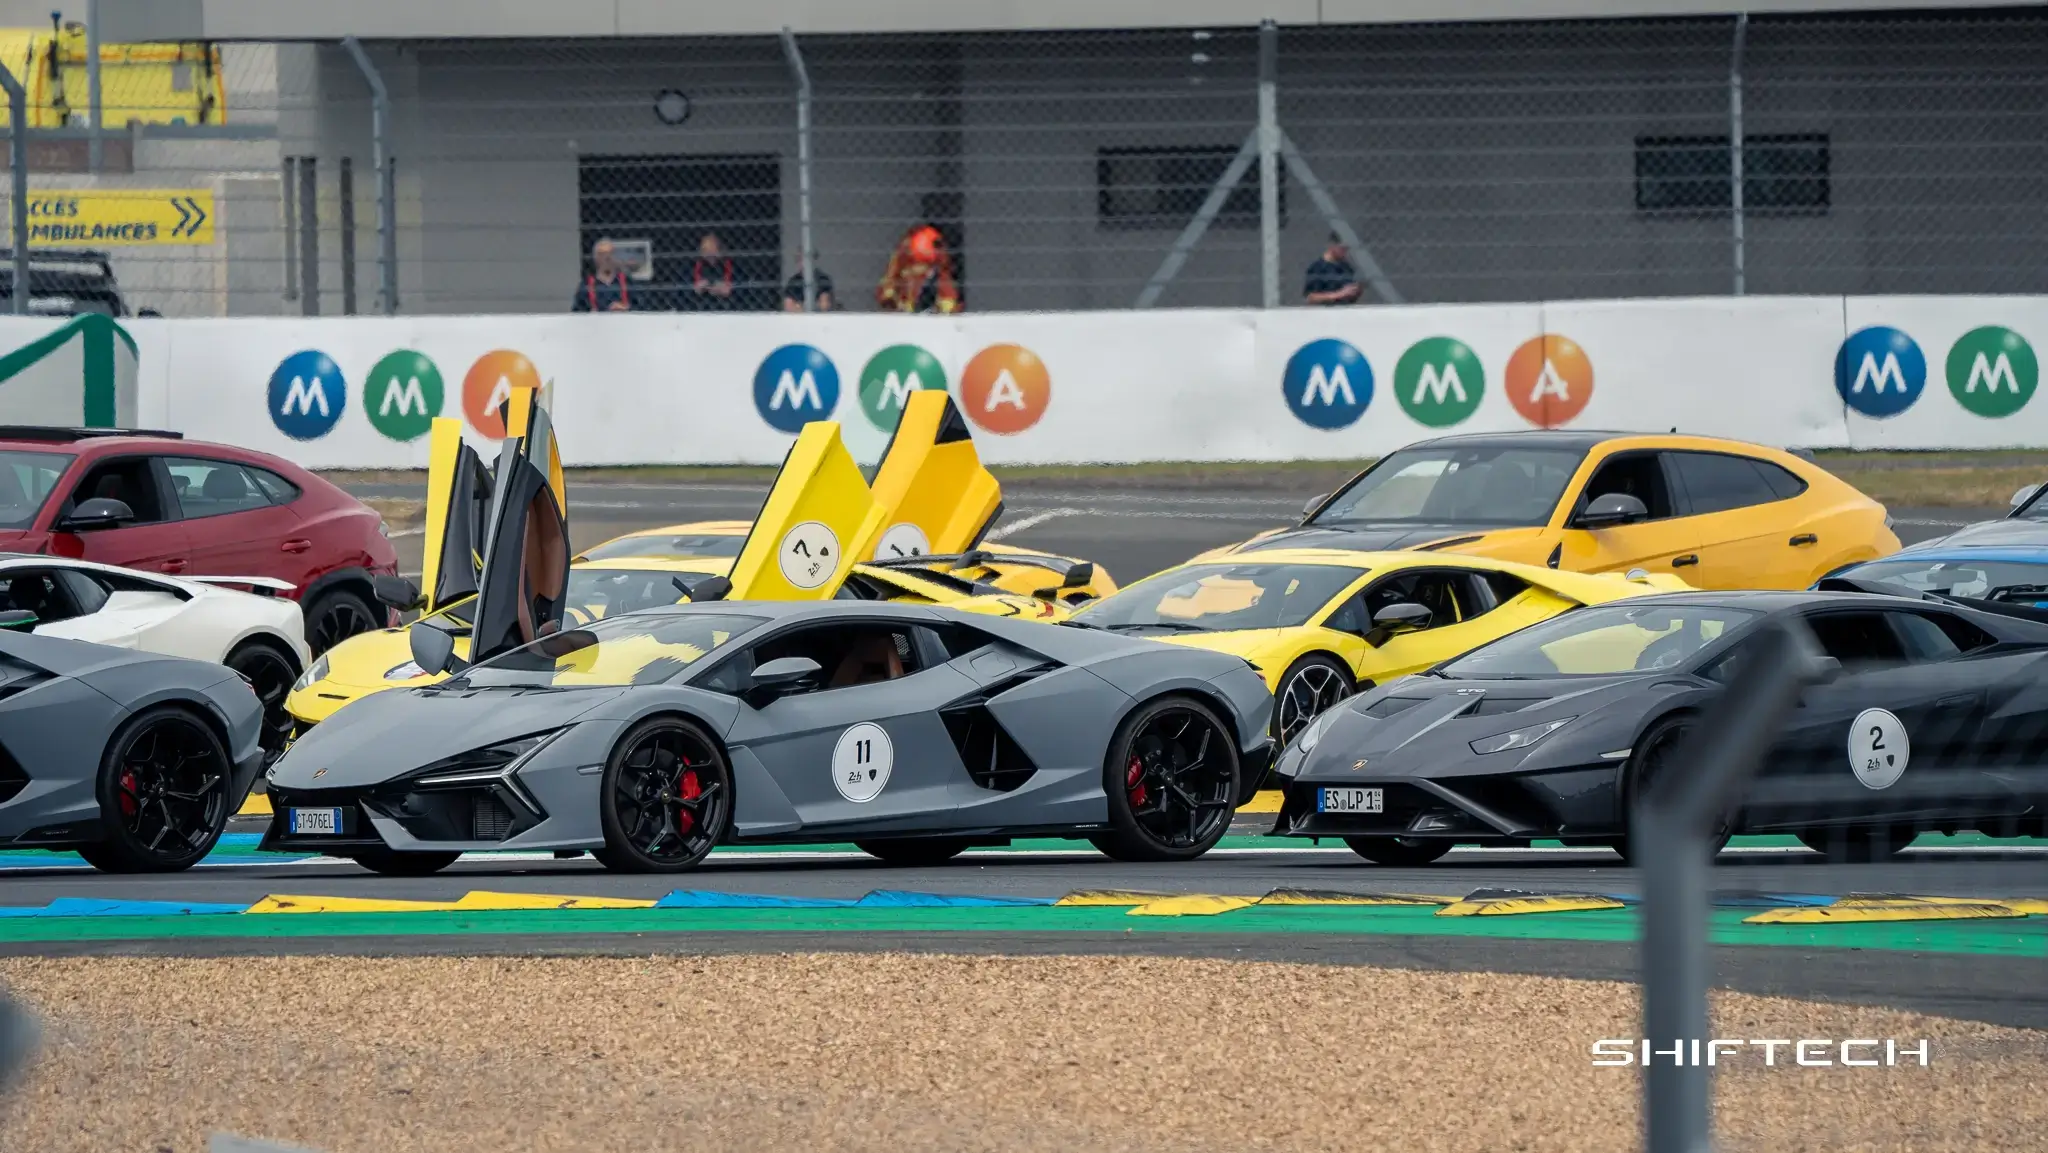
x=1899 y=153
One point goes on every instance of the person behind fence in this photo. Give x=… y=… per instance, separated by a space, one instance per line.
x=604 y=289
x=1332 y=279
x=711 y=276
x=920 y=275
x=793 y=291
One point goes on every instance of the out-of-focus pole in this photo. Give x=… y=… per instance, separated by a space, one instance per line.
x=92 y=83
x=17 y=151
x=387 y=183
x=1735 y=148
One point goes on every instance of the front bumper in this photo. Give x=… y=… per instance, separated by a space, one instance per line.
x=404 y=815
x=1567 y=804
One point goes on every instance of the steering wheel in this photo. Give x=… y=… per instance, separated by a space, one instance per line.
x=1665 y=652
x=577 y=616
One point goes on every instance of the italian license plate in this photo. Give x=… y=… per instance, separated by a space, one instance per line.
x=1351 y=801
x=316 y=821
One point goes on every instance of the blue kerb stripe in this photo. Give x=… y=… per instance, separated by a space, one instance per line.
x=94 y=907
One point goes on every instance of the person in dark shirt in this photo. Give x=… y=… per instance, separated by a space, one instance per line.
x=604 y=290
x=711 y=274
x=793 y=292
x=1331 y=279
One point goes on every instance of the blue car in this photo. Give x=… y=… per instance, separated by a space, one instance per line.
x=2011 y=574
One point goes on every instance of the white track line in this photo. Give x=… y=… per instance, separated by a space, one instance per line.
x=1032 y=522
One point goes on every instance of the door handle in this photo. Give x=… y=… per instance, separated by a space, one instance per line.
x=174 y=565
x=1690 y=558
x=1956 y=702
x=296 y=545
x=1803 y=539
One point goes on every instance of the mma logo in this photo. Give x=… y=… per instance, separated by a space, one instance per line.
x=1327 y=384
x=796 y=384
x=306 y=395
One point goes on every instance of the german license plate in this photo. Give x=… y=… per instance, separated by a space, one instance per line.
x=316 y=821
x=1351 y=801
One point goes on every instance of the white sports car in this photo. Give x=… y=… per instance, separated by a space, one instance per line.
x=258 y=634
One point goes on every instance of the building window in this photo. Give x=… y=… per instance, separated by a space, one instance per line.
x=1781 y=175
x=1165 y=188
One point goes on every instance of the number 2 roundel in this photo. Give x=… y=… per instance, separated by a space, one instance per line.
x=861 y=762
x=1878 y=748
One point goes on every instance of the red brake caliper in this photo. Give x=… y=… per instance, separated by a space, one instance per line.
x=1134 y=783
x=689 y=790
x=129 y=800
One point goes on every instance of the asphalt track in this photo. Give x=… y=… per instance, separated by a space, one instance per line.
x=1132 y=531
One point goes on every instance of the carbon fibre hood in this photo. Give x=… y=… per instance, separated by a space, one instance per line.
x=356 y=747
x=1433 y=736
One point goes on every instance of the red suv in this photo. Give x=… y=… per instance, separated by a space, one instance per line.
x=157 y=502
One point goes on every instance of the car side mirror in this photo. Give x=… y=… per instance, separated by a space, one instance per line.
x=18 y=619
x=2024 y=495
x=395 y=591
x=101 y=512
x=1826 y=669
x=1308 y=510
x=1396 y=619
x=709 y=589
x=1616 y=508
x=781 y=677
x=433 y=649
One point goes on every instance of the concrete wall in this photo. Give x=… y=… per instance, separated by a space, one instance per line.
x=1479 y=162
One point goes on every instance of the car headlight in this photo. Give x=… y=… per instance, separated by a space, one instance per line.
x=491 y=763
x=317 y=671
x=1307 y=738
x=405 y=672
x=1520 y=738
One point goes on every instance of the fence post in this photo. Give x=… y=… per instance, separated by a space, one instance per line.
x=93 y=144
x=1269 y=166
x=1672 y=825
x=803 y=165
x=347 y=206
x=17 y=151
x=309 y=236
x=387 y=185
x=1735 y=148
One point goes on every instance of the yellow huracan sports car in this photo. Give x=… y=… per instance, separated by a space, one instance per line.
x=930 y=491
x=1322 y=624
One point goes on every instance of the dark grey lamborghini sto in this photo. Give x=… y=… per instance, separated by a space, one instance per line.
x=1935 y=720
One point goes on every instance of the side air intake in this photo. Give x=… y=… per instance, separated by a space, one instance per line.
x=994 y=759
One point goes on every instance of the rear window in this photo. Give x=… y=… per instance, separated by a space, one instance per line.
x=26 y=481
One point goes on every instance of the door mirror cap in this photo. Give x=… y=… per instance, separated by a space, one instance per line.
x=1826 y=669
x=2024 y=495
x=433 y=649
x=395 y=591
x=100 y=512
x=1308 y=510
x=1616 y=508
x=709 y=589
x=1396 y=619
x=18 y=619
x=781 y=677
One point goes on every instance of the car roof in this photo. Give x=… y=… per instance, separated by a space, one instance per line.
x=1772 y=600
x=2016 y=553
x=1585 y=440
x=698 y=527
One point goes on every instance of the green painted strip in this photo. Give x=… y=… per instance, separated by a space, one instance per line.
x=2026 y=938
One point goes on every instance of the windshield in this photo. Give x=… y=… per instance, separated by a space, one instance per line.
x=688 y=544
x=644 y=649
x=26 y=480
x=1602 y=641
x=1482 y=485
x=1986 y=580
x=597 y=593
x=1222 y=598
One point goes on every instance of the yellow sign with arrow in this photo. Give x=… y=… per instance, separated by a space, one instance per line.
x=99 y=218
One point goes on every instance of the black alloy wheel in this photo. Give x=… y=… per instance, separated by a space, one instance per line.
x=1311 y=686
x=1654 y=759
x=163 y=792
x=333 y=617
x=665 y=800
x=271 y=673
x=1172 y=778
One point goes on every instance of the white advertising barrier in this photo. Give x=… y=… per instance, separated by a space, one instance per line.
x=1110 y=387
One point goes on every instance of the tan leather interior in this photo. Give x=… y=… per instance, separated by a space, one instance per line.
x=541 y=578
x=874 y=659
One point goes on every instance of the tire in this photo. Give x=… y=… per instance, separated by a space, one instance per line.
x=665 y=799
x=270 y=670
x=914 y=850
x=1858 y=844
x=1171 y=774
x=1310 y=686
x=163 y=792
x=393 y=863
x=1647 y=763
x=1398 y=851
x=338 y=614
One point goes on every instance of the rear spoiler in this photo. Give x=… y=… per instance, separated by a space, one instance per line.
x=261 y=586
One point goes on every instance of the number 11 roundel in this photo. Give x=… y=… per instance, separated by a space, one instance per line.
x=861 y=762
